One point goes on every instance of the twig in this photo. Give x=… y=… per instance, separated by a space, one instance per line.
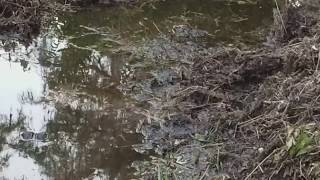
x=252 y=120
x=282 y=22
x=317 y=67
x=156 y=27
x=257 y=167
x=175 y=163
x=205 y=173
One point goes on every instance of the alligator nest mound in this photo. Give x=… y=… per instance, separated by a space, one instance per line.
x=21 y=17
x=256 y=113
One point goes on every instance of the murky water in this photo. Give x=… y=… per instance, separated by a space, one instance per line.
x=65 y=85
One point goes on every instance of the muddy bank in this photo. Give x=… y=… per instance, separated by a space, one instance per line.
x=229 y=113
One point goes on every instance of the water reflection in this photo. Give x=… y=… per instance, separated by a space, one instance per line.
x=20 y=167
x=65 y=84
x=227 y=21
x=14 y=95
x=88 y=141
x=89 y=123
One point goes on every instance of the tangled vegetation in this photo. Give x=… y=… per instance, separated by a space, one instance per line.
x=21 y=17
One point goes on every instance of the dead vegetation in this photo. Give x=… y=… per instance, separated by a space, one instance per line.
x=254 y=114
x=23 y=19
x=20 y=16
